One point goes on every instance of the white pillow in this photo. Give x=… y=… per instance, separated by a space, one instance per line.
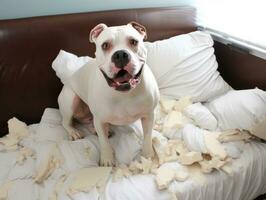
x=185 y=65
x=195 y=140
x=66 y=64
x=242 y=109
x=201 y=116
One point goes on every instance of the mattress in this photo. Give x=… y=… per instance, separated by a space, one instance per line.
x=18 y=181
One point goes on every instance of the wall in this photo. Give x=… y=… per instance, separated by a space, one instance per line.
x=10 y=9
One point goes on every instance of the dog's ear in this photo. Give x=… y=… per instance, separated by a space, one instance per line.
x=96 y=31
x=140 y=28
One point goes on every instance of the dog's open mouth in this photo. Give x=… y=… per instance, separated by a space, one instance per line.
x=123 y=81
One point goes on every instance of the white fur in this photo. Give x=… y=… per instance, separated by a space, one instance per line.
x=107 y=105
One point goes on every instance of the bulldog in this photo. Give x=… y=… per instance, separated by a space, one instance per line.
x=116 y=87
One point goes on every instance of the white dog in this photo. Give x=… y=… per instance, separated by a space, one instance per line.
x=117 y=88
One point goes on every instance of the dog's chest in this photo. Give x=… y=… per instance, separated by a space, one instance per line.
x=127 y=110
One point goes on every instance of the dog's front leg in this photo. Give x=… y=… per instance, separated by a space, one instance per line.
x=147 y=125
x=107 y=155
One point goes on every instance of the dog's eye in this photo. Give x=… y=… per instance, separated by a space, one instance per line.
x=106 y=46
x=133 y=42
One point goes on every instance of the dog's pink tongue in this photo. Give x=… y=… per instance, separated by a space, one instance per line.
x=125 y=78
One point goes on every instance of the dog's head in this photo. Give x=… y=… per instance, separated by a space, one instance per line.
x=120 y=53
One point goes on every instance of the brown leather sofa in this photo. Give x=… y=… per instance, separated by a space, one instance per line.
x=28 y=46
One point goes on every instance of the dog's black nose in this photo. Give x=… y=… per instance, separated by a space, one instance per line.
x=120 y=58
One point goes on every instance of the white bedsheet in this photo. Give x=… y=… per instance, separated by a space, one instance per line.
x=247 y=182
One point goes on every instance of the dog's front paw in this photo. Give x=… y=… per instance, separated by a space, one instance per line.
x=74 y=135
x=148 y=152
x=107 y=158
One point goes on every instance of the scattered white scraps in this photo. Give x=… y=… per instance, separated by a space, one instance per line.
x=49 y=164
x=24 y=153
x=196 y=174
x=165 y=150
x=120 y=172
x=181 y=175
x=228 y=169
x=4 y=188
x=17 y=130
x=145 y=166
x=213 y=146
x=208 y=165
x=174 y=120
x=171 y=117
x=57 y=188
x=164 y=176
x=234 y=135
x=182 y=103
x=87 y=178
x=167 y=105
x=170 y=150
x=159 y=146
x=190 y=157
x=168 y=115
